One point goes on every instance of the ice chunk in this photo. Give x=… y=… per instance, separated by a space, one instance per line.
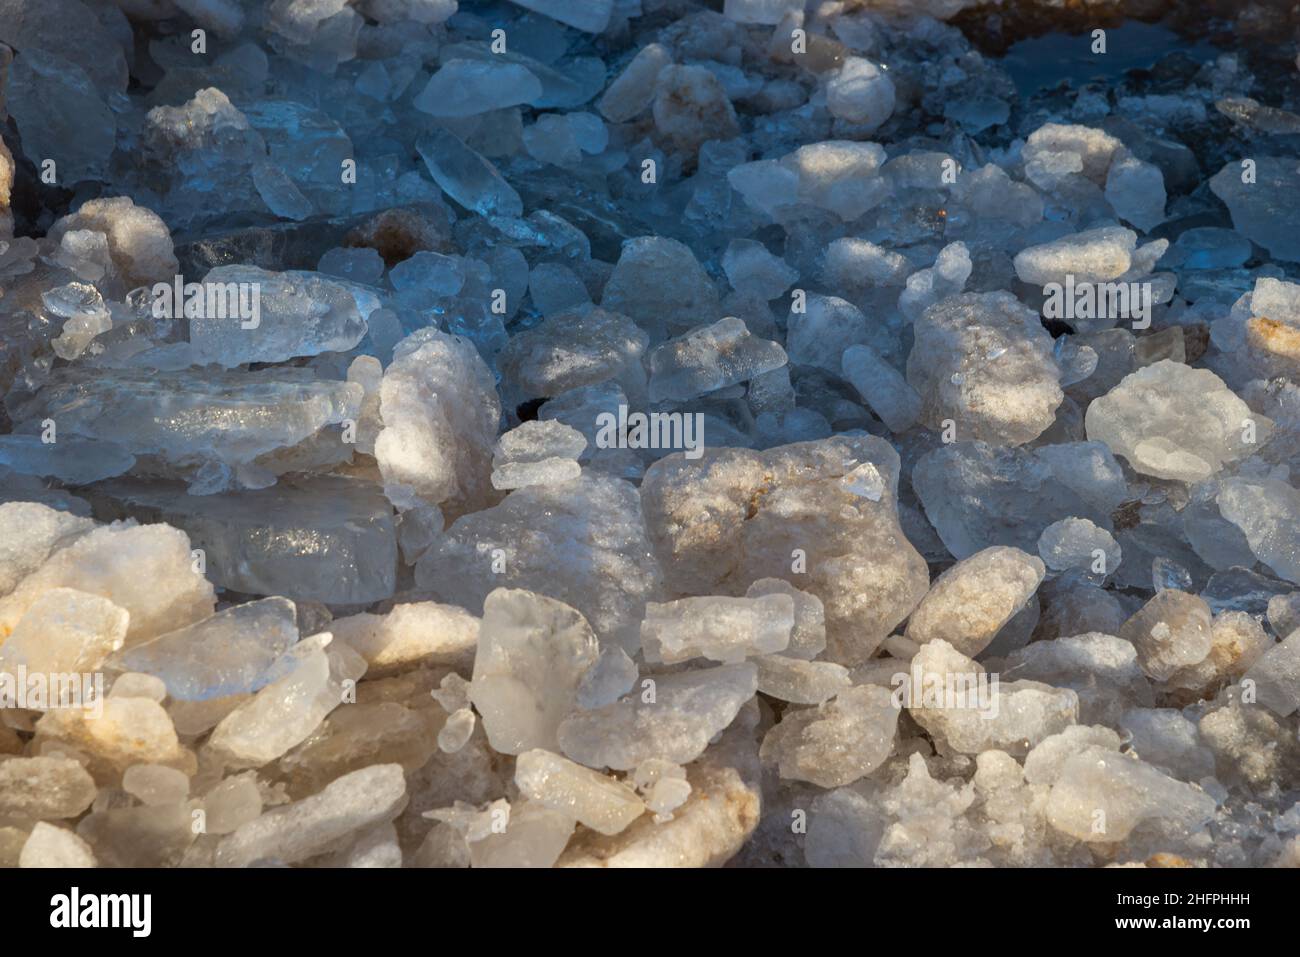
x=590 y=16
x=710 y=358
x=673 y=717
x=532 y=654
x=808 y=638
x=38 y=788
x=572 y=349
x=253 y=541
x=595 y=800
x=64 y=631
x=969 y=603
x=836 y=743
x=49 y=846
x=954 y=699
x=1100 y=797
x=61 y=115
x=218 y=422
x=295 y=314
x=633 y=90
x=74 y=461
x=720 y=629
x=985 y=362
x=227 y=654
x=467 y=177
x=1268 y=512
x=1263 y=208
x=145 y=570
x=1276 y=674
x=440 y=410
x=1076 y=543
x=1093 y=148
x=413 y=633
x=1136 y=190
x=1095 y=255
x=691 y=107
x=318 y=823
x=819 y=334
x=660 y=284
x=1175 y=422
x=469 y=87
x=1171 y=631
x=29 y=533
x=798 y=681
x=978 y=495
x=750 y=268
x=609 y=570
x=860 y=93
x=287 y=711
x=537 y=453
x=732 y=517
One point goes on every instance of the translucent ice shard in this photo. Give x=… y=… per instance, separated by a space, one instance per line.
x=709 y=358
x=1268 y=512
x=673 y=719
x=1262 y=208
x=298 y=314
x=532 y=654
x=717 y=628
x=470 y=87
x=227 y=654
x=969 y=603
x=467 y=177
x=537 y=453
x=440 y=409
x=64 y=631
x=597 y=801
x=75 y=461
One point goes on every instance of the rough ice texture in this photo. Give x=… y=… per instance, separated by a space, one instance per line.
x=672 y=718
x=984 y=361
x=820 y=515
x=413 y=633
x=1171 y=631
x=440 y=409
x=537 y=453
x=610 y=570
x=710 y=358
x=1175 y=422
x=717 y=628
x=969 y=603
x=298 y=314
x=595 y=800
x=837 y=742
x=532 y=654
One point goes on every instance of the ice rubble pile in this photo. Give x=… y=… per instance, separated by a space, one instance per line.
x=381 y=573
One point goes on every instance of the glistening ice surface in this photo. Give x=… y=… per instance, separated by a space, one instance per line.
x=597 y=433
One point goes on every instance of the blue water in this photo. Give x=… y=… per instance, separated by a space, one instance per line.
x=1043 y=62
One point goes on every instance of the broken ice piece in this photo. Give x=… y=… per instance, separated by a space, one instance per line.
x=537 y=453
x=64 y=631
x=227 y=654
x=1175 y=422
x=882 y=387
x=532 y=654
x=710 y=358
x=1171 y=631
x=969 y=603
x=718 y=628
x=456 y=732
x=1276 y=674
x=594 y=799
x=662 y=785
x=673 y=717
x=808 y=637
x=467 y=177
x=1078 y=543
x=836 y=743
x=800 y=682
